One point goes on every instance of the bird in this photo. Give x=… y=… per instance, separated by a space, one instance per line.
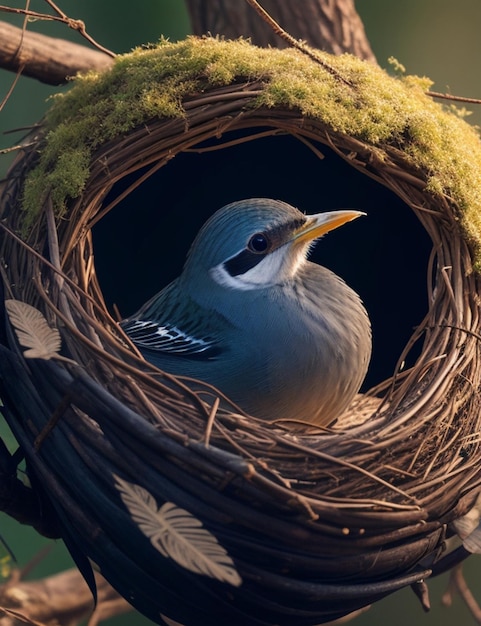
x=282 y=337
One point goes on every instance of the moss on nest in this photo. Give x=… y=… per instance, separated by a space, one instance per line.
x=368 y=104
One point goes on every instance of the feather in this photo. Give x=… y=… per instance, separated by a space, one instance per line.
x=178 y=535
x=33 y=331
x=169 y=339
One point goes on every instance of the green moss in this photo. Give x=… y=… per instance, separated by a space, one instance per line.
x=65 y=180
x=368 y=105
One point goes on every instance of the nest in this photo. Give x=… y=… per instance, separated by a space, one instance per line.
x=301 y=525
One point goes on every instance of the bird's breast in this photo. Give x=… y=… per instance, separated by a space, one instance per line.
x=307 y=348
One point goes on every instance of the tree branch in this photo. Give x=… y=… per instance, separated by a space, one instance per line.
x=331 y=26
x=59 y=599
x=48 y=59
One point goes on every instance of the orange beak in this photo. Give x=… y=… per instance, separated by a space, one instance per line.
x=321 y=223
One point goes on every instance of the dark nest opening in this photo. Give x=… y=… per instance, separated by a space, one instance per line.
x=384 y=257
x=314 y=523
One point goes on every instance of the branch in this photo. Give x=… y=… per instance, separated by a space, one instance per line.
x=48 y=59
x=332 y=26
x=457 y=584
x=59 y=599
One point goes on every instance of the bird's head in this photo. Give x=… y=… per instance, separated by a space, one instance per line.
x=257 y=243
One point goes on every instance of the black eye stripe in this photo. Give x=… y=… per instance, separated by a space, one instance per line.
x=243 y=262
x=246 y=259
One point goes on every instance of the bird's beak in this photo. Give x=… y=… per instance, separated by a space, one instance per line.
x=321 y=223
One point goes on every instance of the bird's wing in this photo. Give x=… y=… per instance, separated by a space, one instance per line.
x=167 y=338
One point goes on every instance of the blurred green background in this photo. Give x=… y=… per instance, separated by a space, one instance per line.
x=435 y=38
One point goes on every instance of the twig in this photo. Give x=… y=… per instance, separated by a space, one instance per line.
x=20 y=68
x=78 y=25
x=210 y=421
x=457 y=583
x=48 y=59
x=448 y=96
x=12 y=87
x=294 y=43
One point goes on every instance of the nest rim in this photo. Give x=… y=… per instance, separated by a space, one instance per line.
x=132 y=152
x=408 y=503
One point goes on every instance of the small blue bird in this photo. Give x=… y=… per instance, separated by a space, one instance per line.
x=282 y=337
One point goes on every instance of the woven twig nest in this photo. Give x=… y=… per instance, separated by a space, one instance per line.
x=300 y=525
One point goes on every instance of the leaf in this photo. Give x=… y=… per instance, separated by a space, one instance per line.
x=466 y=524
x=472 y=543
x=33 y=331
x=177 y=534
x=468 y=528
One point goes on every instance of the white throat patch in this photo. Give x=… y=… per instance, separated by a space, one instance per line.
x=274 y=269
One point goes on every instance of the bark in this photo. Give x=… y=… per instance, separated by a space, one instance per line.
x=48 y=59
x=331 y=25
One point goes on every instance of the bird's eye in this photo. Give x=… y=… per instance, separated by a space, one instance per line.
x=258 y=243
